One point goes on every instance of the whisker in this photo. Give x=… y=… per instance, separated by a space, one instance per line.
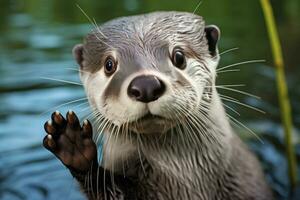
x=239 y=91
x=90 y=20
x=91 y=180
x=240 y=124
x=98 y=29
x=86 y=108
x=93 y=22
x=139 y=153
x=230 y=70
x=197 y=7
x=64 y=104
x=115 y=133
x=60 y=80
x=245 y=105
x=232 y=109
x=78 y=70
x=240 y=63
x=232 y=85
x=228 y=97
x=227 y=51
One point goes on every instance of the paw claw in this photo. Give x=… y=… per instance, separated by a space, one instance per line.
x=57 y=119
x=85 y=122
x=72 y=119
x=87 y=129
x=50 y=141
x=49 y=128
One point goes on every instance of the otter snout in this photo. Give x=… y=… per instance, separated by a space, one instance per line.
x=146 y=88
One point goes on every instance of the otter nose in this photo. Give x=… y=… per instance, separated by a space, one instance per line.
x=146 y=88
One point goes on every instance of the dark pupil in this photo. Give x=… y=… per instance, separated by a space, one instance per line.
x=179 y=59
x=109 y=65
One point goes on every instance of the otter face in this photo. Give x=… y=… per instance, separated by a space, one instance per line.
x=149 y=72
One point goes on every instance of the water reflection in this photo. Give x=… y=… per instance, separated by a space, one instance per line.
x=36 y=41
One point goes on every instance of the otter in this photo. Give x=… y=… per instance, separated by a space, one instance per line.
x=158 y=117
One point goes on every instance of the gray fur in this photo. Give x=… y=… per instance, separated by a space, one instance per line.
x=197 y=158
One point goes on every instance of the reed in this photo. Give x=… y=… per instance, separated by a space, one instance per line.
x=283 y=96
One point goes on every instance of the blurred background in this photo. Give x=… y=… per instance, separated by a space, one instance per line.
x=36 y=39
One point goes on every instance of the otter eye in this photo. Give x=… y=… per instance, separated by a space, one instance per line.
x=110 y=66
x=178 y=59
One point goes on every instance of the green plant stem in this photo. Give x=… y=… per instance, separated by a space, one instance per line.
x=283 y=96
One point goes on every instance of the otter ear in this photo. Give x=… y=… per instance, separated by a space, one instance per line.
x=78 y=53
x=212 y=35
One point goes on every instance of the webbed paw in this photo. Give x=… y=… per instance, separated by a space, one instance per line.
x=70 y=142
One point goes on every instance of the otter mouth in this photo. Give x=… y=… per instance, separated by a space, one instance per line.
x=149 y=117
x=149 y=120
x=150 y=123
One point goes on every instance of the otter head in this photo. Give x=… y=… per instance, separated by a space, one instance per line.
x=149 y=73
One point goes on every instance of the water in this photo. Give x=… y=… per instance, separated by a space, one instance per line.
x=36 y=41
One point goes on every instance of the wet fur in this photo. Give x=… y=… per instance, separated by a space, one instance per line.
x=197 y=155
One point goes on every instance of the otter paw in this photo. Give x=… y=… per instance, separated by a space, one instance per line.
x=70 y=142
